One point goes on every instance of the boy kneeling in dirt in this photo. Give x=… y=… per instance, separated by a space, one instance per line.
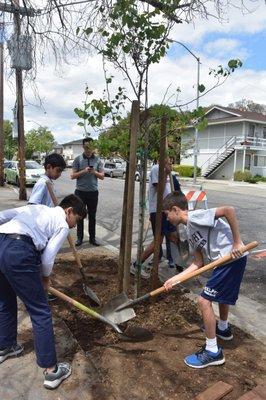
x=30 y=237
x=209 y=235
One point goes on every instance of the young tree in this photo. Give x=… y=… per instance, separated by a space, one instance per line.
x=38 y=140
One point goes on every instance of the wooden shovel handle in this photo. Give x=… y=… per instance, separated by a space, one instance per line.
x=75 y=303
x=212 y=265
x=69 y=237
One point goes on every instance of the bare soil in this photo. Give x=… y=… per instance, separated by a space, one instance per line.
x=152 y=369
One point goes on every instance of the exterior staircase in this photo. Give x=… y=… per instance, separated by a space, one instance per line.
x=221 y=155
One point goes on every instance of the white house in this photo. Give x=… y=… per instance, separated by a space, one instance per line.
x=233 y=140
x=70 y=150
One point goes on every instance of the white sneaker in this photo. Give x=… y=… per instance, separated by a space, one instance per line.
x=144 y=274
x=53 y=379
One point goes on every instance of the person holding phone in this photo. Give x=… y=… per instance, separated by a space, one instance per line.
x=87 y=168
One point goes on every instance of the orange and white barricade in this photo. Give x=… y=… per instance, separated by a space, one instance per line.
x=194 y=197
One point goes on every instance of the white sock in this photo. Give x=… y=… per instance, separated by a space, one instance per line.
x=211 y=345
x=222 y=325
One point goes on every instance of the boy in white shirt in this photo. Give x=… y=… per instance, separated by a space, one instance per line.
x=210 y=236
x=54 y=164
x=30 y=237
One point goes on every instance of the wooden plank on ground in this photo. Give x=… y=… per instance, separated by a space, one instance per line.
x=261 y=391
x=258 y=393
x=251 y=395
x=215 y=392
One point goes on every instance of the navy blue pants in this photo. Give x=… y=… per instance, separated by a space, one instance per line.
x=90 y=199
x=20 y=275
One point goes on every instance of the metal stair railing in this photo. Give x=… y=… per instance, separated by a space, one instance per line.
x=222 y=150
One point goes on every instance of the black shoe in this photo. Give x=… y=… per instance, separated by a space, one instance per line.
x=10 y=351
x=94 y=243
x=78 y=242
x=179 y=268
x=224 y=335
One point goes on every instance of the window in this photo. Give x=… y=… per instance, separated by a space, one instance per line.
x=259 y=161
x=251 y=132
x=264 y=132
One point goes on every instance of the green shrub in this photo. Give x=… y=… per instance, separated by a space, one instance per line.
x=242 y=176
x=186 y=170
x=260 y=178
x=252 y=179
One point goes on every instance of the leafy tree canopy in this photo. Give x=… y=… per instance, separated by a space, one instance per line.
x=115 y=140
x=10 y=144
x=40 y=140
x=248 y=105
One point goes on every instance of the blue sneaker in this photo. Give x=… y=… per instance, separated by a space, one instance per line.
x=203 y=358
x=226 y=334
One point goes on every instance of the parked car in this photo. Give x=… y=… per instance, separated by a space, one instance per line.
x=114 y=169
x=137 y=173
x=33 y=172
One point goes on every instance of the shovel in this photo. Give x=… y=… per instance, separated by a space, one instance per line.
x=90 y=293
x=122 y=316
x=184 y=278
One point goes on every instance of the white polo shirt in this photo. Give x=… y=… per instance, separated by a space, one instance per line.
x=40 y=193
x=46 y=226
x=153 y=179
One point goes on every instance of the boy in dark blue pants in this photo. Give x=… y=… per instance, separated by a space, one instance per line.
x=210 y=236
x=30 y=238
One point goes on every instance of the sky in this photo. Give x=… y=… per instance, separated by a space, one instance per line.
x=241 y=35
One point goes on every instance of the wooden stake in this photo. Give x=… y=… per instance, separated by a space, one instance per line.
x=160 y=191
x=134 y=128
x=122 y=236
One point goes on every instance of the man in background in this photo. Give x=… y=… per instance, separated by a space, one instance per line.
x=87 y=169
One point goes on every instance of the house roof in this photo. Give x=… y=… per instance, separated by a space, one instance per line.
x=78 y=141
x=235 y=115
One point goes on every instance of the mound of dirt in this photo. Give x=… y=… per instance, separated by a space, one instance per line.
x=154 y=368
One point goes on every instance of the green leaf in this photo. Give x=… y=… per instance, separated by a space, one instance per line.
x=88 y=31
x=201 y=88
x=80 y=124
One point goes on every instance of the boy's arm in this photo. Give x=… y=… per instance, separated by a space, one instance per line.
x=53 y=246
x=37 y=193
x=230 y=215
x=197 y=263
x=7 y=215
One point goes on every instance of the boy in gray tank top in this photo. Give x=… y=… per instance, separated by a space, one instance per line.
x=210 y=237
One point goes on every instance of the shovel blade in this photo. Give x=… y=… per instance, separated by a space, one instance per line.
x=118 y=317
x=91 y=294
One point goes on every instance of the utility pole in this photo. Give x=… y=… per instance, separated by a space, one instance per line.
x=196 y=144
x=1 y=106
x=196 y=133
x=20 y=117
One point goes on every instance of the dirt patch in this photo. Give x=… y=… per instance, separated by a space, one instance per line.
x=153 y=369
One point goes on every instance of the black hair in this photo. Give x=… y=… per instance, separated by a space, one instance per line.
x=55 y=160
x=76 y=203
x=177 y=199
x=87 y=140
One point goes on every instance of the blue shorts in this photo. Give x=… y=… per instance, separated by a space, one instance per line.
x=224 y=283
x=166 y=226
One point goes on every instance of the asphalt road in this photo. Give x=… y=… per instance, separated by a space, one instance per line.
x=249 y=201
